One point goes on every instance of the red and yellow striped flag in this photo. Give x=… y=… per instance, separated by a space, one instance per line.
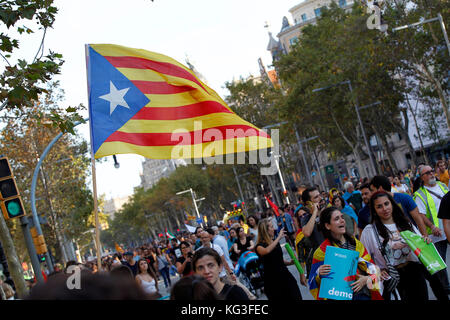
x=149 y=104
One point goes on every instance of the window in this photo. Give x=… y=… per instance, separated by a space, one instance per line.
x=342 y=3
x=292 y=41
x=304 y=17
x=317 y=12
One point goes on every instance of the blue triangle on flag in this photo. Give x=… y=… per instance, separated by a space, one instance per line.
x=101 y=73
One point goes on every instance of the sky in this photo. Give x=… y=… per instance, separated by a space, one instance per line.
x=223 y=39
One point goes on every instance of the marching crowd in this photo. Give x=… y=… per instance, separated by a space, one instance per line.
x=366 y=217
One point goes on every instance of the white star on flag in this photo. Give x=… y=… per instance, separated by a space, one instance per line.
x=115 y=97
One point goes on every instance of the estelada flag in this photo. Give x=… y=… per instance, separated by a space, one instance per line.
x=273 y=205
x=146 y=103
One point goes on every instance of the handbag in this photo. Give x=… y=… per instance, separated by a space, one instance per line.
x=391 y=284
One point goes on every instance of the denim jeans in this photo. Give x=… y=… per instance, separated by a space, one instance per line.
x=166 y=276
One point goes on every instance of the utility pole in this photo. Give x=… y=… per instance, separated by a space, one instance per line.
x=305 y=164
x=240 y=190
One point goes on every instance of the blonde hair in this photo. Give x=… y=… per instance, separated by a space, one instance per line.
x=263 y=232
x=9 y=291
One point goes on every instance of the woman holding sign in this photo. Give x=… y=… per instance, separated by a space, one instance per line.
x=400 y=267
x=364 y=285
x=279 y=283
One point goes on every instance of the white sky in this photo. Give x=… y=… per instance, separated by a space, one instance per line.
x=222 y=38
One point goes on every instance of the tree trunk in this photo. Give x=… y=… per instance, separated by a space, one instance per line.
x=14 y=265
x=403 y=131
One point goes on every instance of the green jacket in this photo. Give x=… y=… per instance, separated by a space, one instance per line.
x=427 y=199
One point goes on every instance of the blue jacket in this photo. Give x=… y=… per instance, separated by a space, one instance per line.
x=288 y=224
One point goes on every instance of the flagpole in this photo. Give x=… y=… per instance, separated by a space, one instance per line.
x=94 y=175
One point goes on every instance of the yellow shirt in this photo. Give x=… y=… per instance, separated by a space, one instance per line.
x=444 y=177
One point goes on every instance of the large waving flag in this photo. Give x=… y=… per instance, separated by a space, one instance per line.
x=149 y=104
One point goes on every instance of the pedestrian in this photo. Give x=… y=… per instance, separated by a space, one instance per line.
x=333 y=228
x=130 y=262
x=8 y=290
x=198 y=242
x=350 y=217
x=352 y=196
x=209 y=264
x=303 y=246
x=428 y=199
x=399 y=186
x=400 y=267
x=364 y=213
x=163 y=265
x=253 y=227
x=409 y=206
x=279 y=283
x=284 y=221
x=219 y=240
x=310 y=221
x=193 y=287
x=243 y=243
x=183 y=263
x=146 y=278
x=442 y=172
x=444 y=214
x=231 y=242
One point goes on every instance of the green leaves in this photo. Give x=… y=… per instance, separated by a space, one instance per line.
x=22 y=84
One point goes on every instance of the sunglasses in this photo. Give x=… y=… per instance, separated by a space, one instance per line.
x=428 y=172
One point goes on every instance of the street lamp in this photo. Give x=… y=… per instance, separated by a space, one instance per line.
x=276 y=156
x=438 y=18
x=194 y=201
x=116 y=163
x=372 y=160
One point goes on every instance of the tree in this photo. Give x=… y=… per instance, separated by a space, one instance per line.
x=339 y=48
x=23 y=82
x=65 y=199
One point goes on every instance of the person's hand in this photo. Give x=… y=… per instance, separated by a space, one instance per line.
x=324 y=269
x=427 y=239
x=281 y=234
x=436 y=231
x=303 y=280
x=360 y=283
x=384 y=275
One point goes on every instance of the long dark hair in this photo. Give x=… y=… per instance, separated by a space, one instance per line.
x=149 y=270
x=325 y=217
x=400 y=220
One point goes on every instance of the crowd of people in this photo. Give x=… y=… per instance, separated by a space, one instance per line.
x=366 y=216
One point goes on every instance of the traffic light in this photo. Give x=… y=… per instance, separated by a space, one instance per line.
x=41 y=258
x=10 y=200
x=39 y=241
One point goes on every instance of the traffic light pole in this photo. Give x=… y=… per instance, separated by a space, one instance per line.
x=31 y=249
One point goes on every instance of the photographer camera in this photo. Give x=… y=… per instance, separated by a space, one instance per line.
x=183 y=263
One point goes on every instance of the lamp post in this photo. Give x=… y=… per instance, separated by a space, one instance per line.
x=240 y=190
x=276 y=156
x=348 y=82
x=441 y=23
x=194 y=201
x=447 y=42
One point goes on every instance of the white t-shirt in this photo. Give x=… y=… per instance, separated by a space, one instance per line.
x=423 y=210
x=223 y=244
x=402 y=189
x=397 y=250
x=220 y=252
